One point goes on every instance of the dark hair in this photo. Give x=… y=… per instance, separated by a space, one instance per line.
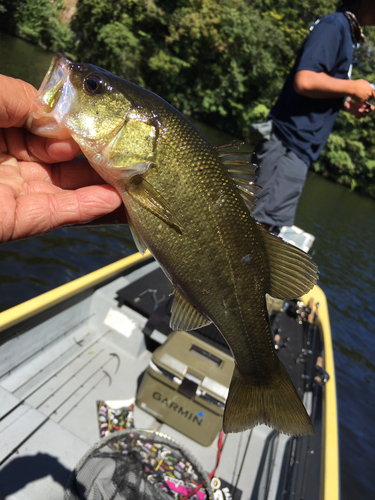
x=350 y=10
x=351 y=5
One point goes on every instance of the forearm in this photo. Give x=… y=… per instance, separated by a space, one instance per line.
x=323 y=86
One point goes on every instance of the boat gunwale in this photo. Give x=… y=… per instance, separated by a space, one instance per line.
x=330 y=472
x=32 y=307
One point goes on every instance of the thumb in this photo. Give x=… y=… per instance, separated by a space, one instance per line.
x=16 y=97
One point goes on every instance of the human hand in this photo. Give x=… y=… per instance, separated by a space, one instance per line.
x=361 y=91
x=42 y=184
x=358 y=109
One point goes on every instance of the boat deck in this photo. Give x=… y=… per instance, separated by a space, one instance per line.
x=96 y=345
x=92 y=351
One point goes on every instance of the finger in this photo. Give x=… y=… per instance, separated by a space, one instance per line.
x=15 y=143
x=40 y=213
x=74 y=174
x=118 y=216
x=25 y=146
x=51 y=150
x=362 y=109
x=16 y=97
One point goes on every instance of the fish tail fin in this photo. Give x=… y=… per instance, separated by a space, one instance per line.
x=274 y=403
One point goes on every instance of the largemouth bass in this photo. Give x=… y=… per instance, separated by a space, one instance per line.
x=190 y=204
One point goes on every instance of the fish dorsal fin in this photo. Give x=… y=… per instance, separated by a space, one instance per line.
x=292 y=271
x=150 y=198
x=184 y=315
x=242 y=171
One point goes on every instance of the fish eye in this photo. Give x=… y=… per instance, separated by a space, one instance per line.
x=93 y=84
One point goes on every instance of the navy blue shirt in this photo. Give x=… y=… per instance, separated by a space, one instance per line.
x=302 y=123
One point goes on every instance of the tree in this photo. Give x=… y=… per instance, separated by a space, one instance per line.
x=222 y=61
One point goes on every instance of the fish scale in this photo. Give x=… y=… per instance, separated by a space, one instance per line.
x=190 y=254
x=190 y=204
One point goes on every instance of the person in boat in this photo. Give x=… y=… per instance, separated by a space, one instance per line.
x=36 y=197
x=317 y=87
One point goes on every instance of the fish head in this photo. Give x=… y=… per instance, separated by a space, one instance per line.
x=89 y=104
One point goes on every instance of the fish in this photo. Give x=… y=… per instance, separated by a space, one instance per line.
x=190 y=204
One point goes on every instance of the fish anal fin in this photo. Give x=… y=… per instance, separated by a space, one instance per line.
x=147 y=196
x=184 y=315
x=274 y=403
x=292 y=271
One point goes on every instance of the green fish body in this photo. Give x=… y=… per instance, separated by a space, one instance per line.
x=189 y=203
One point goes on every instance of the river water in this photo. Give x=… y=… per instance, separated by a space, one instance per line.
x=343 y=224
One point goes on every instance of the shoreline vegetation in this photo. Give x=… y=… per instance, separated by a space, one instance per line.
x=221 y=61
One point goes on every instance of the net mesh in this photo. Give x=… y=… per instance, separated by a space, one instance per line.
x=136 y=464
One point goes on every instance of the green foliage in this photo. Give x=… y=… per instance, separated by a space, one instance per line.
x=222 y=61
x=349 y=156
x=259 y=113
x=37 y=21
x=117 y=35
x=214 y=59
x=7 y=17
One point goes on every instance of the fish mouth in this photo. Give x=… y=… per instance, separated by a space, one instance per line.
x=53 y=100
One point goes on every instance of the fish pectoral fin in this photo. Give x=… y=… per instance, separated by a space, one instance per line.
x=273 y=402
x=147 y=196
x=184 y=315
x=292 y=271
x=139 y=243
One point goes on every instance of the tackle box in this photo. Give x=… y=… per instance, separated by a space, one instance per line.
x=186 y=386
